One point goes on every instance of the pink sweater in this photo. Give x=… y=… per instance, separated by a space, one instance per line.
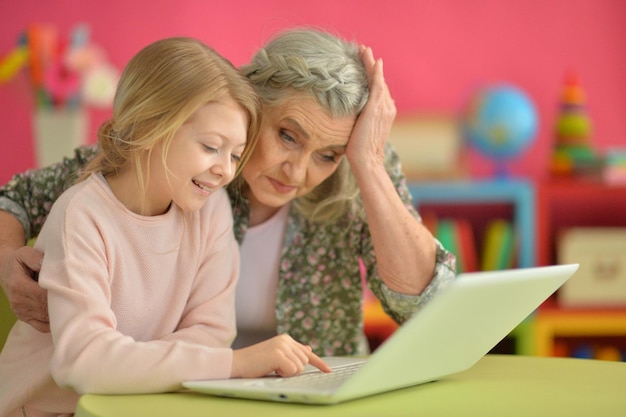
x=137 y=304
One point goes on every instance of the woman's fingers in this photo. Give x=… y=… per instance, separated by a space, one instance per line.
x=367 y=57
x=27 y=299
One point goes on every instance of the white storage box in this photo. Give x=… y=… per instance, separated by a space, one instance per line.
x=601 y=279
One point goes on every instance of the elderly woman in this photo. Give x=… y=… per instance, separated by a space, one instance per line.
x=321 y=201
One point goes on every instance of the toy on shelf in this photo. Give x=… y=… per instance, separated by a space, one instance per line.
x=573 y=153
x=500 y=122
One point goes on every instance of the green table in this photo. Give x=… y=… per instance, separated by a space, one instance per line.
x=498 y=385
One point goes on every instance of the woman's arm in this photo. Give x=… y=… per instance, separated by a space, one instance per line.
x=18 y=266
x=406 y=252
x=29 y=195
x=24 y=205
x=399 y=305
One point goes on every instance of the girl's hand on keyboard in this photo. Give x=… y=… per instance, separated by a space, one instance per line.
x=280 y=354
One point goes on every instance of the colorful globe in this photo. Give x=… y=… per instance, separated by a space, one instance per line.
x=500 y=121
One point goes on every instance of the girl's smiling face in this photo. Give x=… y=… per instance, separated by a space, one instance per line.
x=202 y=157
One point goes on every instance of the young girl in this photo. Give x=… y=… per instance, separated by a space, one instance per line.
x=141 y=264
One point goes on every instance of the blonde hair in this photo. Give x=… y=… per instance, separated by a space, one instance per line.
x=318 y=64
x=160 y=88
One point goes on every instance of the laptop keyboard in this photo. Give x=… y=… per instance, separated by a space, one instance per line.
x=320 y=380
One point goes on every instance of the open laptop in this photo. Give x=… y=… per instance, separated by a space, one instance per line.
x=449 y=335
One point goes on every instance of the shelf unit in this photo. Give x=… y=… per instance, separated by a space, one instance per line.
x=564 y=203
x=575 y=203
x=518 y=193
x=551 y=323
x=539 y=213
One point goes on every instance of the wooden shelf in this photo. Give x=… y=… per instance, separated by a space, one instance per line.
x=575 y=203
x=552 y=323
x=562 y=204
x=540 y=213
x=520 y=194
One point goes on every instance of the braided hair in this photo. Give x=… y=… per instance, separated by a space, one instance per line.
x=316 y=64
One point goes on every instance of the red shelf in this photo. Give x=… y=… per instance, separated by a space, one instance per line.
x=575 y=203
x=561 y=204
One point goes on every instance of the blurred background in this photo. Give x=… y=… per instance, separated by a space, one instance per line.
x=436 y=54
x=529 y=90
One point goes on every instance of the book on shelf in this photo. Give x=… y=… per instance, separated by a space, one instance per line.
x=457 y=236
x=498 y=246
x=497 y=251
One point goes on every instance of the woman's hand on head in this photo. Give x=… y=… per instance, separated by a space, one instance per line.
x=27 y=299
x=371 y=130
x=280 y=354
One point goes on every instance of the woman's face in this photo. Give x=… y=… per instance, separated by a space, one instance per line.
x=299 y=146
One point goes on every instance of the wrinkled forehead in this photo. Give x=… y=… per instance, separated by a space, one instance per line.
x=310 y=120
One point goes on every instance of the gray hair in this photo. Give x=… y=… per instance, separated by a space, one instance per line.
x=311 y=62
x=328 y=68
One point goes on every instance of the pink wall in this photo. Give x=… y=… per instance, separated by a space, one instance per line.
x=435 y=52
